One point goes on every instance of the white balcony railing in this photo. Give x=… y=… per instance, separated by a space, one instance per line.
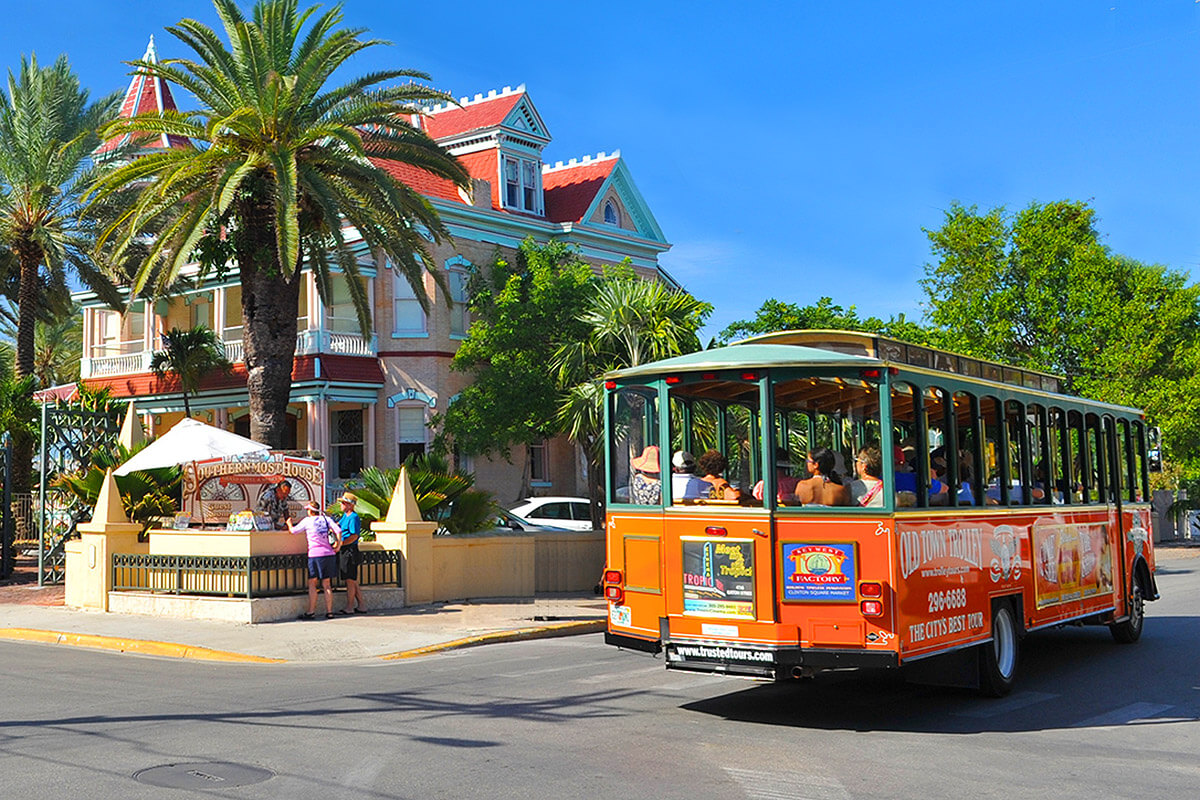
x=307 y=343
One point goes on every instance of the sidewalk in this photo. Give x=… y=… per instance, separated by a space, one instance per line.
x=28 y=613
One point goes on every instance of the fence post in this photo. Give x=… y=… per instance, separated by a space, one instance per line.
x=7 y=556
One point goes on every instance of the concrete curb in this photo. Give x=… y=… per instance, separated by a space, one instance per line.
x=520 y=634
x=139 y=646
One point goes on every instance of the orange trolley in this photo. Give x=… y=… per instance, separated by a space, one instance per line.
x=965 y=504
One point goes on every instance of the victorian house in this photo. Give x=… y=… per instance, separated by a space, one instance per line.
x=369 y=401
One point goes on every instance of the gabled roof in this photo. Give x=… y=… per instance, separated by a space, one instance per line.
x=146 y=95
x=570 y=189
x=510 y=108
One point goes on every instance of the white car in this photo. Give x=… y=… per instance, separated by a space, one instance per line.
x=572 y=513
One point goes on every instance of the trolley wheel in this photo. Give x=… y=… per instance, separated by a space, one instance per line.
x=998 y=658
x=1129 y=630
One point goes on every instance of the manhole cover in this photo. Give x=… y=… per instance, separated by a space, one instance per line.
x=203 y=775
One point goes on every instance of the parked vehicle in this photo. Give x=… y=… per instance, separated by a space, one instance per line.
x=572 y=513
x=506 y=519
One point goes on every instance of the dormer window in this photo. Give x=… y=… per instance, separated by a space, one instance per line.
x=522 y=184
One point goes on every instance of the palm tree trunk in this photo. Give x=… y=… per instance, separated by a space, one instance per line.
x=28 y=257
x=270 y=304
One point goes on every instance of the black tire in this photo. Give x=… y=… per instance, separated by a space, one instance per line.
x=998 y=658
x=1129 y=630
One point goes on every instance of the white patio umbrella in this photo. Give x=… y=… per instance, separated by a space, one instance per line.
x=189 y=440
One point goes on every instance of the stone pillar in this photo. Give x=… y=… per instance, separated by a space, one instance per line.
x=131 y=429
x=404 y=530
x=89 y=571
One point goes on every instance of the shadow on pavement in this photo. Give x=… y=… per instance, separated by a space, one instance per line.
x=1067 y=678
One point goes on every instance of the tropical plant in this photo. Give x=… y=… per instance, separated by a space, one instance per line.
x=443 y=495
x=630 y=321
x=48 y=130
x=57 y=344
x=145 y=496
x=47 y=133
x=190 y=354
x=282 y=159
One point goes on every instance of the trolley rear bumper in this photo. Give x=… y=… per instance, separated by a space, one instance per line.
x=756 y=661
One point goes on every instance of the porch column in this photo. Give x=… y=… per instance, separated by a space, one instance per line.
x=369 y=455
x=218 y=308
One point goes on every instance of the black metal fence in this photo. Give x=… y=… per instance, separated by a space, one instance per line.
x=239 y=576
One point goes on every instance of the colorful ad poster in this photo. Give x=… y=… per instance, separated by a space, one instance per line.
x=718 y=578
x=1072 y=562
x=819 y=571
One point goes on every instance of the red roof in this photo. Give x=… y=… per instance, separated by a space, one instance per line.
x=146 y=95
x=419 y=180
x=472 y=116
x=569 y=191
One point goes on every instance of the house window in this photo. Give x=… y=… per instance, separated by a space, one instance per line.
x=512 y=183
x=201 y=313
x=410 y=431
x=348 y=442
x=610 y=214
x=539 y=471
x=408 y=316
x=521 y=184
x=458 y=277
x=342 y=316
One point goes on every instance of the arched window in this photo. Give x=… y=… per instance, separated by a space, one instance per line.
x=458 y=275
x=611 y=216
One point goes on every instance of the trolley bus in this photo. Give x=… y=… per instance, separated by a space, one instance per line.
x=1000 y=505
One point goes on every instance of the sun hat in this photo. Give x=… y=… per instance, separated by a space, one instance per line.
x=347 y=497
x=683 y=459
x=312 y=505
x=647 y=461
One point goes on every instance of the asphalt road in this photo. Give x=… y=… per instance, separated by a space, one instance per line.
x=571 y=718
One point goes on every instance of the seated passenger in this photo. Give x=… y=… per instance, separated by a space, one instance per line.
x=825 y=487
x=867 y=490
x=785 y=482
x=685 y=485
x=645 y=489
x=906 y=482
x=710 y=466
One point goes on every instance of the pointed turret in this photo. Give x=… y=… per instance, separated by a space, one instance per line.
x=146 y=94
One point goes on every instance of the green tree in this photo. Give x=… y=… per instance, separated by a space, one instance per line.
x=1039 y=289
x=521 y=312
x=630 y=321
x=57 y=344
x=443 y=494
x=191 y=354
x=47 y=134
x=777 y=315
x=282 y=159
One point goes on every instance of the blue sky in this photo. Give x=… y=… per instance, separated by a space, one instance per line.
x=795 y=150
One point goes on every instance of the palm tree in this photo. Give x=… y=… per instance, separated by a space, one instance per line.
x=191 y=354
x=281 y=160
x=631 y=322
x=57 y=343
x=47 y=133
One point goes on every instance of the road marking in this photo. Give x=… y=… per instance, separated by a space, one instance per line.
x=996 y=708
x=778 y=785
x=1125 y=715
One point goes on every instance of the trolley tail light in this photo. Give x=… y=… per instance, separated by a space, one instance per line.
x=871 y=608
x=613 y=590
x=871 y=589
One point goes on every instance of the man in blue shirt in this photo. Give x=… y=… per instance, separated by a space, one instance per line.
x=348 y=556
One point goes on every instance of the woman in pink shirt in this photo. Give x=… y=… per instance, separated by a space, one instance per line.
x=324 y=540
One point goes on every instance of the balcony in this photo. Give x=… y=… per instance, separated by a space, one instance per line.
x=120 y=358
